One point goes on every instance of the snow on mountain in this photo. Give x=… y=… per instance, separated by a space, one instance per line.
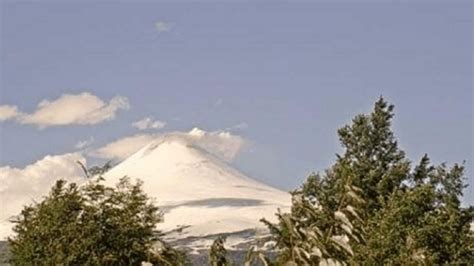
x=199 y=193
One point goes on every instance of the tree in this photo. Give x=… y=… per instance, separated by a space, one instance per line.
x=257 y=257
x=95 y=170
x=370 y=207
x=218 y=253
x=324 y=219
x=423 y=222
x=371 y=152
x=91 y=225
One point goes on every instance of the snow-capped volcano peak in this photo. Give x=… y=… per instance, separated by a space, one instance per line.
x=197 y=190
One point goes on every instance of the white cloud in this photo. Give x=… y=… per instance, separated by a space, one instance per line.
x=124 y=147
x=218 y=102
x=162 y=26
x=148 y=122
x=8 y=112
x=71 y=109
x=84 y=143
x=222 y=144
x=20 y=186
x=239 y=126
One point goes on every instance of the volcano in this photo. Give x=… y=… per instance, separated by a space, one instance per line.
x=201 y=195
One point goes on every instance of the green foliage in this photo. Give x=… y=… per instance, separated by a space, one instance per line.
x=90 y=225
x=316 y=232
x=100 y=170
x=371 y=208
x=95 y=170
x=371 y=152
x=254 y=257
x=166 y=255
x=218 y=253
x=423 y=222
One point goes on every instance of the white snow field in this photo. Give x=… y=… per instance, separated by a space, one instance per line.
x=199 y=194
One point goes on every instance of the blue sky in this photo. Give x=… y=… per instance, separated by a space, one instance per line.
x=292 y=72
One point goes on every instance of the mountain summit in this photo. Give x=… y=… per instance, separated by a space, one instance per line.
x=201 y=195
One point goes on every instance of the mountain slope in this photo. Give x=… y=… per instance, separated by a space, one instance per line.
x=199 y=194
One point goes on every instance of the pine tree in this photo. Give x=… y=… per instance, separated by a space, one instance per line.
x=371 y=208
x=257 y=257
x=423 y=222
x=371 y=152
x=218 y=253
x=324 y=220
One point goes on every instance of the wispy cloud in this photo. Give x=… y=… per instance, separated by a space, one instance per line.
x=124 y=147
x=149 y=123
x=222 y=144
x=218 y=102
x=162 y=26
x=8 y=112
x=239 y=126
x=68 y=109
x=84 y=143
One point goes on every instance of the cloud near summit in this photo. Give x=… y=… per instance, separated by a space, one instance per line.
x=221 y=144
x=149 y=123
x=19 y=186
x=69 y=109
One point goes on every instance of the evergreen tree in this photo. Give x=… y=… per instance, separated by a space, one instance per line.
x=218 y=253
x=371 y=208
x=324 y=219
x=422 y=222
x=256 y=257
x=90 y=225
x=371 y=152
